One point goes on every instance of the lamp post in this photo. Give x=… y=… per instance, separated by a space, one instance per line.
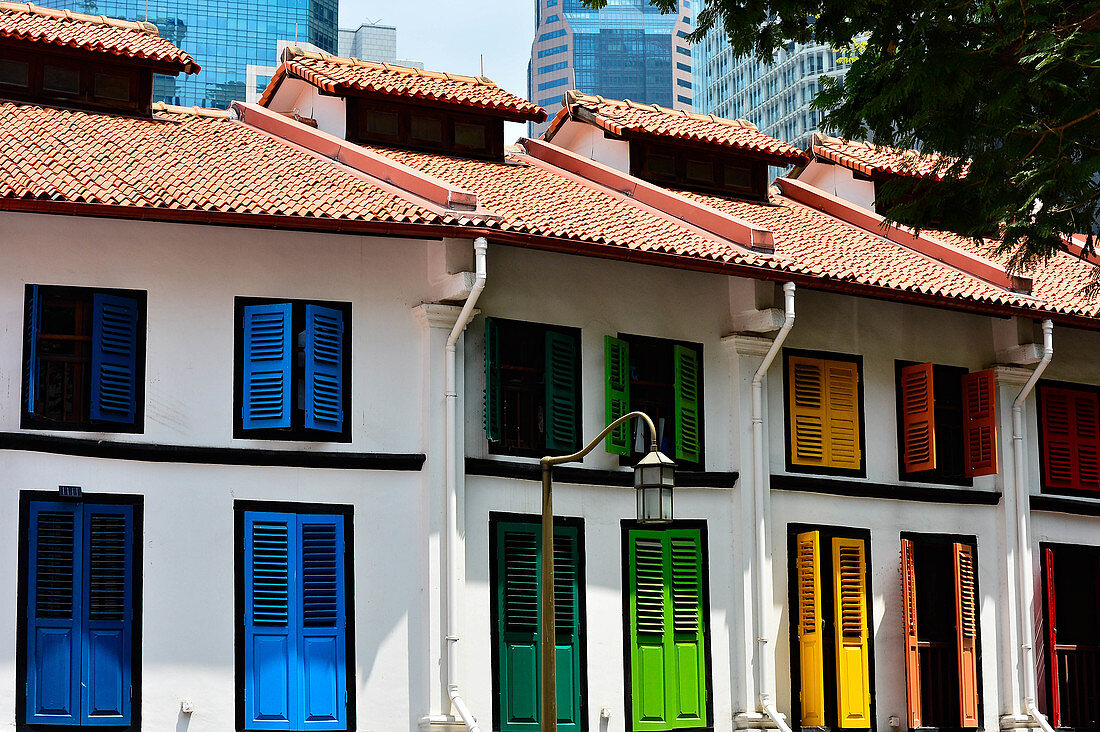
x=653 y=483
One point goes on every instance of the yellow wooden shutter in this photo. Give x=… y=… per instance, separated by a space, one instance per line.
x=853 y=677
x=810 y=641
x=842 y=410
x=806 y=382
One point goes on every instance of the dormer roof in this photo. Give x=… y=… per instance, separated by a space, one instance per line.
x=652 y=120
x=355 y=77
x=877 y=161
x=95 y=34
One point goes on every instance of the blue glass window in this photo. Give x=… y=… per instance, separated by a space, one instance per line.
x=553 y=84
x=684 y=51
x=684 y=83
x=552 y=19
x=552 y=34
x=551 y=3
x=683 y=67
x=681 y=34
x=553 y=67
x=684 y=100
x=552 y=51
x=549 y=100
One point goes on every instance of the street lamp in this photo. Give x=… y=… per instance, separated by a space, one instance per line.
x=653 y=483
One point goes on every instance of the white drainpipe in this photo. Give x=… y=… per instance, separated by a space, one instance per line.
x=1024 y=576
x=763 y=518
x=453 y=451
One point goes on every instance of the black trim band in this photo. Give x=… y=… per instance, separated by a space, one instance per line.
x=156 y=453
x=863 y=489
x=592 y=476
x=1057 y=504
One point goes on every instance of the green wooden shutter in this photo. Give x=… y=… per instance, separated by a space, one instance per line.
x=561 y=391
x=492 y=381
x=686 y=391
x=667 y=629
x=617 y=392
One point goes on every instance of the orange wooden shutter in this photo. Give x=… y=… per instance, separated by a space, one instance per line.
x=811 y=647
x=842 y=414
x=979 y=423
x=912 y=652
x=966 y=630
x=918 y=413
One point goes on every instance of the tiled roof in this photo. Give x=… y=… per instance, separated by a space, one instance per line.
x=95 y=33
x=871 y=159
x=618 y=117
x=333 y=73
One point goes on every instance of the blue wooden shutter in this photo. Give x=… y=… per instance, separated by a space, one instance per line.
x=267 y=363
x=30 y=349
x=324 y=398
x=561 y=391
x=322 y=667
x=107 y=614
x=114 y=358
x=492 y=381
x=53 y=614
x=270 y=647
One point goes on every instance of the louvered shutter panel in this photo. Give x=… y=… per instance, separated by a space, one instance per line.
x=267 y=366
x=492 y=381
x=617 y=371
x=53 y=614
x=114 y=358
x=688 y=413
x=1086 y=426
x=518 y=629
x=324 y=353
x=842 y=407
x=1071 y=439
x=918 y=418
x=1055 y=711
x=966 y=631
x=687 y=667
x=912 y=650
x=853 y=679
x=649 y=679
x=811 y=649
x=567 y=662
x=321 y=671
x=32 y=328
x=979 y=423
x=270 y=648
x=807 y=407
x=561 y=391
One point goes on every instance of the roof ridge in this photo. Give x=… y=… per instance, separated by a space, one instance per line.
x=296 y=52
x=574 y=96
x=32 y=9
x=193 y=111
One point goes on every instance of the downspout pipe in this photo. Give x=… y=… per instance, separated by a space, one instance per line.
x=1026 y=590
x=762 y=518
x=452 y=451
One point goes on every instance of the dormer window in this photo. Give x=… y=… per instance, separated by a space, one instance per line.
x=60 y=80
x=689 y=168
x=425 y=128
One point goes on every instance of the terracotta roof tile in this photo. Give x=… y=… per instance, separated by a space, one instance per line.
x=869 y=159
x=651 y=119
x=95 y=33
x=333 y=73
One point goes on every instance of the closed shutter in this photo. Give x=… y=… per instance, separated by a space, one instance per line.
x=267 y=366
x=561 y=391
x=322 y=677
x=842 y=390
x=806 y=385
x=689 y=445
x=32 y=328
x=918 y=418
x=270 y=648
x=1052 y=639
x=979 y=423
x=492 y=381
x=966 y=632
x=617 y=394
x=912 y=649
x=811 y=647
x=1071 y=439
x=114 y=358
x=853 y=678
x=324 y=354
x=567 y=661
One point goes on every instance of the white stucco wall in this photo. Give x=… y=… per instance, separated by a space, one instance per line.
x=841 y=182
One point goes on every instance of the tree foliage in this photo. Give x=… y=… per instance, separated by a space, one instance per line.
x=1007 y=91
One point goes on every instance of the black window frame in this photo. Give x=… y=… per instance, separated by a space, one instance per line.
x=757 y=170
x=946 y=382
x=788 y=444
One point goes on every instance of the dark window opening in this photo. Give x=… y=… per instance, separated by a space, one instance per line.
x=939 y=674
x=47 y=78
x=425 y=128
x=15 y=73
x=1072 y=660
x=62 y=79
x=680 y=166
x=113 y=87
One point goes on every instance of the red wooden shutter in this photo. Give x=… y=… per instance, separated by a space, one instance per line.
x=966 y=630
x=1086 y=425
x=1071 y=439
x=912 y=653
x=918 y=415
x=979 y=423
x=1052 y=638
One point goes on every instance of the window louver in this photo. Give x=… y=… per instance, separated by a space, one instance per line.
x=114 y=358
x=107 y=570
x=808 y=608
x=565 y=578
x=808 y=411
x=267 y=365
x=852 y=622
x=520 y=582
x=617 y=397
x=54 y=565
x=561 y=391
x=319 y=579
x=324 y=385
x=270 y=574
x=918 y=417
x=649 y=590
x=686 y=376
x=685 y=585
x=967 y=608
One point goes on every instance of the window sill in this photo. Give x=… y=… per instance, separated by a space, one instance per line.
x=890 y=491
x=1064 y=504
x=591 y=476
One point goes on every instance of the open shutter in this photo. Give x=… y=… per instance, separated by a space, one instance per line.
x=53 y=614
x=270 y=648
x=966 y=634
x=979 y=423
x=842 y=407
x=616 y=359
x=811 y=650
x=912 y=650
x=1055 y=711
x=918 y=418
x=561 y=391
x=267 y=366
x=649 y=679
x=324 y=354
x=567 y=661
x=321 y=671
x=687 y=663
x=30 y=349
x=114 y=358
x=492 y=381
x=686 y=392
x=518 y=629
x=807 y=406
x=853 y=678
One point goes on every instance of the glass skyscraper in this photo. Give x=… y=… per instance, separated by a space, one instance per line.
x=223 y=36
x=627 y=50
